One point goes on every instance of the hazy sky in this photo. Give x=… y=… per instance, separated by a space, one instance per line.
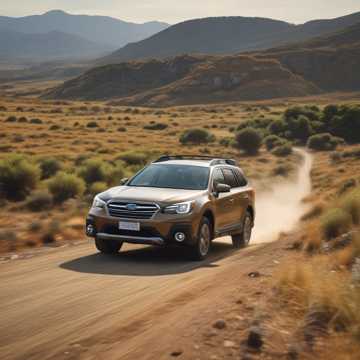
x=172 y=11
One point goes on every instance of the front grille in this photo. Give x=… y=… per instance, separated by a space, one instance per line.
x=127 y=210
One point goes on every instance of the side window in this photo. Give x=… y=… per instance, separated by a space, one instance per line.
x=218 y=177
x=241 y=178
x=230 y=178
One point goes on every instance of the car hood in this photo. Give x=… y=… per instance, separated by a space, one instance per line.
x=149 y=194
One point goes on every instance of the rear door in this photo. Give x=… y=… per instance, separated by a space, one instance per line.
x=241 y=195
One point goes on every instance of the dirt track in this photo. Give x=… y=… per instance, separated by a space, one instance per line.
x=73 y=303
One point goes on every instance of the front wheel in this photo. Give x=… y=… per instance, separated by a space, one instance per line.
x=202 y=247
x=108 y=246
x=243 y=239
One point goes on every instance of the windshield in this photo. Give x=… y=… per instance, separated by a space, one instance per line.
x=173 y=177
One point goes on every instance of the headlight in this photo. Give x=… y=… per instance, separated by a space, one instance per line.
x=181 y=208
x=98 y=203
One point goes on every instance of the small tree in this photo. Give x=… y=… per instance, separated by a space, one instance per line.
x=94 y=170
x=196 y=136
x=17 y=177
x=248 y=140
x=65 y=186
x=323 y=142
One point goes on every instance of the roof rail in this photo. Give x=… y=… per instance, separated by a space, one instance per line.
x=213 y=160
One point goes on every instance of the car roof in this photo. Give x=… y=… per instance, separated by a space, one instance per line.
x=204 y=163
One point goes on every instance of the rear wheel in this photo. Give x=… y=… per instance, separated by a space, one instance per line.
x=243 y=239
x=201 y=249
x=108 y=246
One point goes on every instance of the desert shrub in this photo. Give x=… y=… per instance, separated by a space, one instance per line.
x=94 y=170
x=271 y=141
x=249 y=140
x=65 y=186
x=283 y=150
x=92 y=124
x=196 y=136
x=335 y=222
x=18 y=138
x=97 y=187
x=49 y=167
x=38 y=201
x=351 y=204
x=11 y=119
x=281 y=170
x=346 y=123
x=121 y=129
x=36 y=121
x=18 y=177
x=226 y=141
x=22 y=119
x=116 y=173
x=51 y=231
x=323 y=142
x=133 y=158
x=54 y=127
x=156 y=126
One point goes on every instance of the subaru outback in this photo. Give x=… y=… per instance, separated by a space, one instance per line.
x=176 y=200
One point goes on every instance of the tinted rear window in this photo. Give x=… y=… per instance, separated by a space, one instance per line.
x=230 y=178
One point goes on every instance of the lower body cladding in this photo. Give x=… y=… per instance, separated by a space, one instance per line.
x=149 y=233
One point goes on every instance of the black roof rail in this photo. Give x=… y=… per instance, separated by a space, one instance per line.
x=213 y=160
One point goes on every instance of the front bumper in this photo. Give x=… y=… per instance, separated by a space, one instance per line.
x=152 y=231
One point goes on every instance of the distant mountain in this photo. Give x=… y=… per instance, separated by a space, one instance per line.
x=100 y=29
x=322 y=64
x=50 y=45
x=225 y=35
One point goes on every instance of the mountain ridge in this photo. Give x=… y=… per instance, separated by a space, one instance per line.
x=232 y=35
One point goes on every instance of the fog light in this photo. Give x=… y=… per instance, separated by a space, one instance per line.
x=90 y=230
x=180 y=237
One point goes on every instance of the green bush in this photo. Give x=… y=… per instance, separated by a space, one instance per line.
x=133 y=158
x=18 y=177
x=36 y=121
x=196 y=136
x=283 y=150
x=38 y=201
x=156 y=126
x=49 y=167
x=351 y=204
x=65 y=186
x=94 y=170
x=271 y=141
x=97 y=187
x=11 y=119
x=323 y=142
x=249 y=140
x=116 y=173
x=335 y=222
x=92 y=124
x=346 y=124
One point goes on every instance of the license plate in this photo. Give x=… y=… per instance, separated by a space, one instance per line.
x=126 y=225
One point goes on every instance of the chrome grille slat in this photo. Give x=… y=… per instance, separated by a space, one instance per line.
x=143 y=211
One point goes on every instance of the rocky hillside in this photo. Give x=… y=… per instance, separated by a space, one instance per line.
x=322 y=64
x=226 y=35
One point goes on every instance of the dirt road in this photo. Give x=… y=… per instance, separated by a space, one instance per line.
x=73 y=303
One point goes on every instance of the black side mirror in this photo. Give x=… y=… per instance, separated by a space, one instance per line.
x=124 y=181
x=222 y=188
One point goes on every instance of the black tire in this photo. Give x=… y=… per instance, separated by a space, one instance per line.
x=108 y=246
x=241 y=240
x=201 y=248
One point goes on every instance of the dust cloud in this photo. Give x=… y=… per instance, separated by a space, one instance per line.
x=279 y=209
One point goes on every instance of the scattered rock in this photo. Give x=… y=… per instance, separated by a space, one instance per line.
x=14 y=257
x=255 y=338
x=229 y=344
x=293 y=352
x=176 y=353
x=254 y=274
x=220 y=324
x=240 y=301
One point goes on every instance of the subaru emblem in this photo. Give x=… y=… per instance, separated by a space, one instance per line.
x=131 y=207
